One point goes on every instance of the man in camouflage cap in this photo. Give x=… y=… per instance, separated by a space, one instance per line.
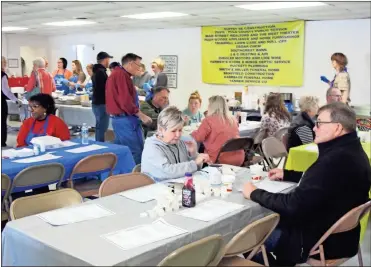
x=153 y=107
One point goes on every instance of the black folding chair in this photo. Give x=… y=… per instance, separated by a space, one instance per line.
x=241 y=143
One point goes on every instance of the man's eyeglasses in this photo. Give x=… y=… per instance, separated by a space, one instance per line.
x=319 y=123
x=138 y=65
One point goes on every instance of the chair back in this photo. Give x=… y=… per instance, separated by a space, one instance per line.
x=95 y=163
x=5 y=190
x=122 y=182
x=285 y=140
x=31 y=205
x=205 y=252
x=258 y=139
x=44 y=174
x=137 y=168
x=252 y=237
x=109 y=136
x=346 y=223
x=241 y=143
x=273 y=149
x=281 y=132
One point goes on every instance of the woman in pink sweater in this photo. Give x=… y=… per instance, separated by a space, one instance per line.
x=217 y=128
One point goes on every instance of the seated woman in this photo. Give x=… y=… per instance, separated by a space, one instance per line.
x=77 y=78
x=217 y=128
x=192 y=113
x=301 y=130
x=42 y=121
x=275 y=116
x=165 y=156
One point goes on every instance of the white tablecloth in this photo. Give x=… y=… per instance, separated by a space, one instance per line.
x=31 y=241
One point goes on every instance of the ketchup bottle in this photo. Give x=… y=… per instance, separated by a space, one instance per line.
x=188 y=192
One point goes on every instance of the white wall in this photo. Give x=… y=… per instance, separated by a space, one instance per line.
x=12 y=43
x=29 y=54
x=322 y=38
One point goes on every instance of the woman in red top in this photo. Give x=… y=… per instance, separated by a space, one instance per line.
x=42 y=121
x=217 y=128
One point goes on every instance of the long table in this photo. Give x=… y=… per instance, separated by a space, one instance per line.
x=125 y=161
x=31 y=241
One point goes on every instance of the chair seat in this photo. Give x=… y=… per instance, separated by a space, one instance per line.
x=4 y=216
x=335 y=262
x=237 y=261
x=87 y=188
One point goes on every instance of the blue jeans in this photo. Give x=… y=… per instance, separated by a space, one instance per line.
x=269 y=244
x=128 y=132
x=102 y=121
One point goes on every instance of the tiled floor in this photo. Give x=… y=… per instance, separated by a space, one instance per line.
x=365 y=247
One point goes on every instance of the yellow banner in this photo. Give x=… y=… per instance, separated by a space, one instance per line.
x=269 y=54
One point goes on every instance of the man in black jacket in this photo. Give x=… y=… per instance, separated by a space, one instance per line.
x=99 y=79
x=337 y=182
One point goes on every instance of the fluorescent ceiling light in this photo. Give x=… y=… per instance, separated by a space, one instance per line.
x=155 y=15
x=12 y=29
x=280 y=5
x=70 y=23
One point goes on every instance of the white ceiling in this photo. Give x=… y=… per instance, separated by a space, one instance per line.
x=108 y=15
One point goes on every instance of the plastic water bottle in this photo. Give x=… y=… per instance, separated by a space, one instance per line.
x=84 y=134
x=36 y=150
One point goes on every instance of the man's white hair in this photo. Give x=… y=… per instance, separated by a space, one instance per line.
x=39 y=62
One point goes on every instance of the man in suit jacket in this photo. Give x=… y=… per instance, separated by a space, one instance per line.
x=336 y=183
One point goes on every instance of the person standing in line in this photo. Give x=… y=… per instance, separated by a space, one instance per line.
x=99 y=80
x=123 y=106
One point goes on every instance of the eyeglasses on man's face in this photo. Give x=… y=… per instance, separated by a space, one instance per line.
x=319 y=123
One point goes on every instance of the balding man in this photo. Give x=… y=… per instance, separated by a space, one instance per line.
x=40 y=79
x=336 y=183
x=333 y=95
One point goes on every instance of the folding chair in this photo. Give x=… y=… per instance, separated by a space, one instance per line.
x=205 y=252
x=5 y=190
x=241 y=143
x=88 y=165
x=250 y=239
x=38 y=176
x=122 y=182
x=27 y=206
x=346 y=223
x=273 y=149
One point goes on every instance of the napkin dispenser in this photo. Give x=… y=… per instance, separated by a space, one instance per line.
x=47 y=142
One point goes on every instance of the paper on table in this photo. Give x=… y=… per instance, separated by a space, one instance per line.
x=210 y=210
x=312 y=147
x=273 y=186
x=145 y=193
x=69 y=143
x=144 y=234
x=74 y=214
x=86 y=149
x=37 y=158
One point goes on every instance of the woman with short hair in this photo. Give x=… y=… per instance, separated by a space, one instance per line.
x=301 y=129
x=165 y=155
x=40 y=78
x=42 y=121
x=216 y=129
